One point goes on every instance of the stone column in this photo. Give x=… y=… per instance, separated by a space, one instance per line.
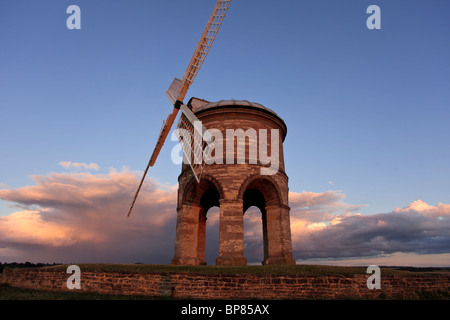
x=264 y=233
x=231 y=233
x=279 y=246
x=201 y=237
x=186 y=241
x=286 y=239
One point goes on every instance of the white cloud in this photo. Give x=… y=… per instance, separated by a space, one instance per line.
x=320 y=207
x=78 y=165
x=440 y=210
x=316 y=226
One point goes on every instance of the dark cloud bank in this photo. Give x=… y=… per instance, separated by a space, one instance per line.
x=80 y=217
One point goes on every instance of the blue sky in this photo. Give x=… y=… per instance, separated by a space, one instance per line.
x=367 y=111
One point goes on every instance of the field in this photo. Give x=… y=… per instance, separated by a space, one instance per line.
x=9 y=293
x=252 y=269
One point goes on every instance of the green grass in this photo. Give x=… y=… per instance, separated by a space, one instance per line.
x=12 y=293
x=252 y=270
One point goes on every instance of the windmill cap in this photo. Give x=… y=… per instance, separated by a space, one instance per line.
x=199 y=105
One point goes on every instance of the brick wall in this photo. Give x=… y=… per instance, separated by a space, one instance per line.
x=209 y=286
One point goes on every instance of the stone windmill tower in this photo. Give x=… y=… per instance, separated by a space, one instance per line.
x=236 y=185
x=233 y=159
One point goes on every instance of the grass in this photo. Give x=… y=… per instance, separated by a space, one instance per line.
x=12 y=293
x=252 y=270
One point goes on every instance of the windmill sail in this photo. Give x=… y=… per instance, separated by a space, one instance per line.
x=204 y=45
x=177 y=91
x=173 y=92
x=191 y=143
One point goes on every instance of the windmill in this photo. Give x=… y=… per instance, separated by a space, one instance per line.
x=177 y=92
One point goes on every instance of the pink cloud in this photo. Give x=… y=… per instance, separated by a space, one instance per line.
x=82 y=211
x=418 y=228
x=440 y=210
x=81 y=217
x=320 y=207
x=29 y=227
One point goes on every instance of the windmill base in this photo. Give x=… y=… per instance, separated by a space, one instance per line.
x=230 y=261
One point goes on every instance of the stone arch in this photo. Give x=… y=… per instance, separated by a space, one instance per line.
x=265 y=193
x=266 y=185
x=196 y=200
x=194 y=191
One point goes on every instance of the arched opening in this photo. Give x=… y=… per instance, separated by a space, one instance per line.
x=208 y=239
x=258 y=193
x=254 y=250
x=205 y=196
x=195 y=202
x=210 y=198
x=255 y=226
x=269 y=193
x=261 y=200
x=212 y=235
x=206 y=193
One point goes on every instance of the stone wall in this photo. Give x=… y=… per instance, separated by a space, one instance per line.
x=210 y=286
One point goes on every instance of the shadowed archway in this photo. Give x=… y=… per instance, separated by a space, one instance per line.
x=254 y=198
x=194 y=203
x=263 y=193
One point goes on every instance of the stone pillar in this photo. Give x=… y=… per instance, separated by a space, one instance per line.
x=286 y=241
x=187 y=231
x=231 y=233
x=264 y=233
x=201 y=237
x=279 y=246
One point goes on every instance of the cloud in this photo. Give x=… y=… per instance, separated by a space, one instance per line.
x=320 y=207
x=440 y=211
x=81 y=217
x=417 y=228
x=78 y=165
x=29 y=227
x=392 y=259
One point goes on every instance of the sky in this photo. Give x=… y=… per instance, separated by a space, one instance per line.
x=367 y=111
